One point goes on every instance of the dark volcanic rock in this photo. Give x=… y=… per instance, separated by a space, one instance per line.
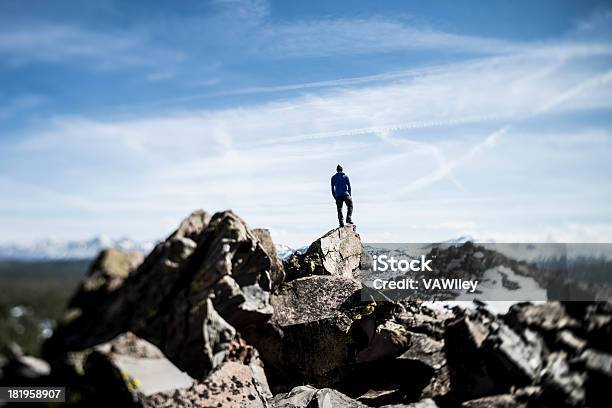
x=336 y=253
x=560 y=384
x=598 y=325
x=486 y=357
x=106 y=385
x=430 y=352
x=598 y=368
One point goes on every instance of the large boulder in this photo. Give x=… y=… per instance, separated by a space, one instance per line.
x=311 y=298
x=336 y=253
x=307 y=323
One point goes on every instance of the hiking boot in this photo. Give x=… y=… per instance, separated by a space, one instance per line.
x=349 y=221
x=341 y=223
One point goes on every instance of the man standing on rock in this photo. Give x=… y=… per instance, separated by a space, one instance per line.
x=341 y=190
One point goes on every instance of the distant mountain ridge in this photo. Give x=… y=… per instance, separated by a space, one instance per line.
x=55 y=249
x=51 y=249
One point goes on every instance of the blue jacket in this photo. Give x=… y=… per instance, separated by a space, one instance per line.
x=340 y=185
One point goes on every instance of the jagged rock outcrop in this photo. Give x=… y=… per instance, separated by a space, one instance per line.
x=209 y=278
x=88 y=323
x=336 y=253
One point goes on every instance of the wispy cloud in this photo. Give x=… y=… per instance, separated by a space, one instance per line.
x=372 y=35
x=67 y=44
x=19 y=104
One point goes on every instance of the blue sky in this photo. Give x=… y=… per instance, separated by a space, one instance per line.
x=491 y=119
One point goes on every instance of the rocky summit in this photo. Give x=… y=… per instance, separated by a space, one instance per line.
x=213 y=318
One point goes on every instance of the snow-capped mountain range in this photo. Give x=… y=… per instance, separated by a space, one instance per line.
x=55 y=249
x=49 y=249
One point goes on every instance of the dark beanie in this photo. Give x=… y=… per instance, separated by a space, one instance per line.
x=338 y=168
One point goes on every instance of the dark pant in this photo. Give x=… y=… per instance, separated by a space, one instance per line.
x=349 y=206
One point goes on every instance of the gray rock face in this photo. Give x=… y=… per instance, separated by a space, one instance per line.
x=311 y=298
x=336 y=253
